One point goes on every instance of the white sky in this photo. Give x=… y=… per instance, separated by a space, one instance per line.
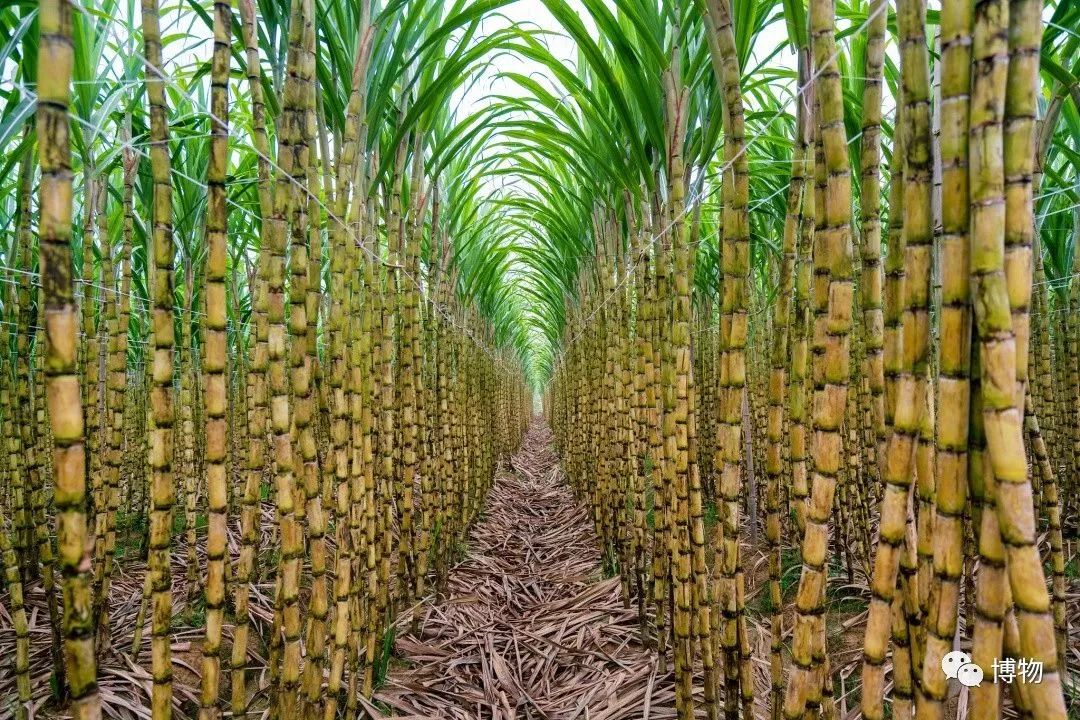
x=535 y=13
x=526 y=12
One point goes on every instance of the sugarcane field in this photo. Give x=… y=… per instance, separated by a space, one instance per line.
x=539 y=359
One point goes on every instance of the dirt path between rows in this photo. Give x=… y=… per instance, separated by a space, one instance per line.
x=529 y=627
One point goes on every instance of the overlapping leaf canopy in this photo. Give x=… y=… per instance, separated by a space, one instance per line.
x=520 y=171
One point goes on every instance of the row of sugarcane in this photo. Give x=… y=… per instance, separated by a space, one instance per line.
x=361 y=396
x=893 y=399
